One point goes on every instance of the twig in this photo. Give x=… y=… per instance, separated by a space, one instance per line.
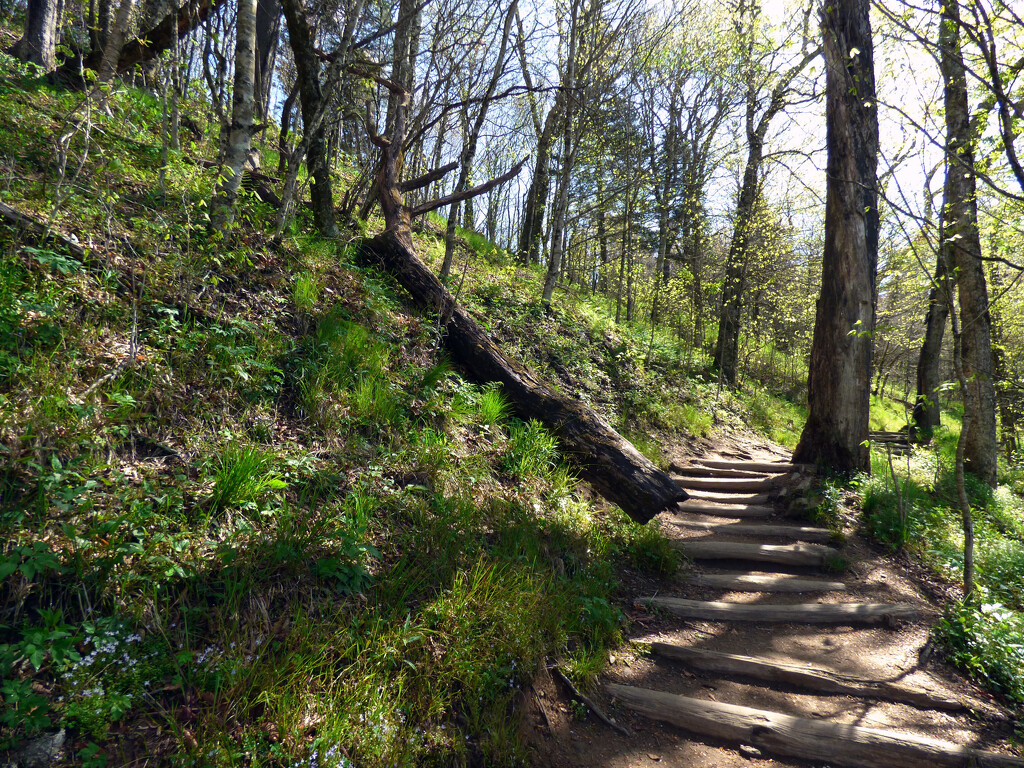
x=543 y=710
x=590 y=704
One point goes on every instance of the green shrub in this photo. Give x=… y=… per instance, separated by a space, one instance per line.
x=531 y=449
x=243 y=475
x=986 y=642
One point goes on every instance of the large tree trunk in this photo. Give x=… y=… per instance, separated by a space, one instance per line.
x=243 y=109
x=961 y=247
x=612 y=465
x=38 y=44
x=929 y=364
x=839 y=377
x=307 y=72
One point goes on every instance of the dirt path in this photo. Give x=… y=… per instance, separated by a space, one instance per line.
x=692 y=637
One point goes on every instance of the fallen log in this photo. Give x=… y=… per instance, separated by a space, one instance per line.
x=805 y=676
x=37 y=231
x=834 y=743
x=603 y=457
x=755 y=582
x=807 y=613
x=780 y=554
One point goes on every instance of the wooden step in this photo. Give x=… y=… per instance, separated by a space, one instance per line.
x=754 y=466
x=694 y=470
x=751 y=582
x=795 y=532
x=727 y=498
x=805 y=676
x=700 y=507
x=833 y=743
x=781 y=554
x=807 y=613
x=729 y=484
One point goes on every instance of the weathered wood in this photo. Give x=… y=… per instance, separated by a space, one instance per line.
x=696 y=470
x=834 y=743
x=780 y=554
x=37 y=231
x=725 y=510
x=807 y=613
x=806 y=676
x=795 y=532
x=729 y=484
x=750 y=582
x=728 y=498
x=755 y=466
x=610 y=463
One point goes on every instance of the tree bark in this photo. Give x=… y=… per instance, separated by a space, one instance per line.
x=38 y=44
x=307 y=72
x=839 y=376
x=243 y=109
x=929 y=364
x=268 y=27
x=961 y=247
x=612 y=465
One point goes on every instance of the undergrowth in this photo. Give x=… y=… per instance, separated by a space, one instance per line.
x=913 y=506
x=250 y=513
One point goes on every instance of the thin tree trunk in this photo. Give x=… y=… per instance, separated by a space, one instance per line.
x=926 y=407
x=243 y=109
x=307 y=73
x=268 y=25
x=961 y=245
x=839 y=377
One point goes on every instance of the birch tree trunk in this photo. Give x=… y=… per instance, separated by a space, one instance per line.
x=243 y=109
x=839 y=377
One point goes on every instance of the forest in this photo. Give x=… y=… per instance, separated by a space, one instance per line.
x=352 y=351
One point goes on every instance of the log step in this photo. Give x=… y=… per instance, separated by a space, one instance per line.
x=834 y=743
x=805 y=676
x=808 y=613
x=726 y=498
x=729 y=483
x=795 y=532
x=753 y=466
x=700 y=507
x=751 y=582
x=694 y=470
x=780 y=554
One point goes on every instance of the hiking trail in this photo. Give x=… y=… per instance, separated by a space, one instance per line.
x=784 y=644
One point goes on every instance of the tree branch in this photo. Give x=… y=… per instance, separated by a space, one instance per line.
x=479 y=189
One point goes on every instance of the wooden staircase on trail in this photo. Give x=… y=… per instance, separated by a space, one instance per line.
x=897 y=442
x=761 y=571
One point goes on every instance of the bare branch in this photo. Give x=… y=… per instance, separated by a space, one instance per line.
x=429 y=177
x=479 y=189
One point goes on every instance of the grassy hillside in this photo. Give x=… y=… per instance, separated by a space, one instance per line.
x=251 y=514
